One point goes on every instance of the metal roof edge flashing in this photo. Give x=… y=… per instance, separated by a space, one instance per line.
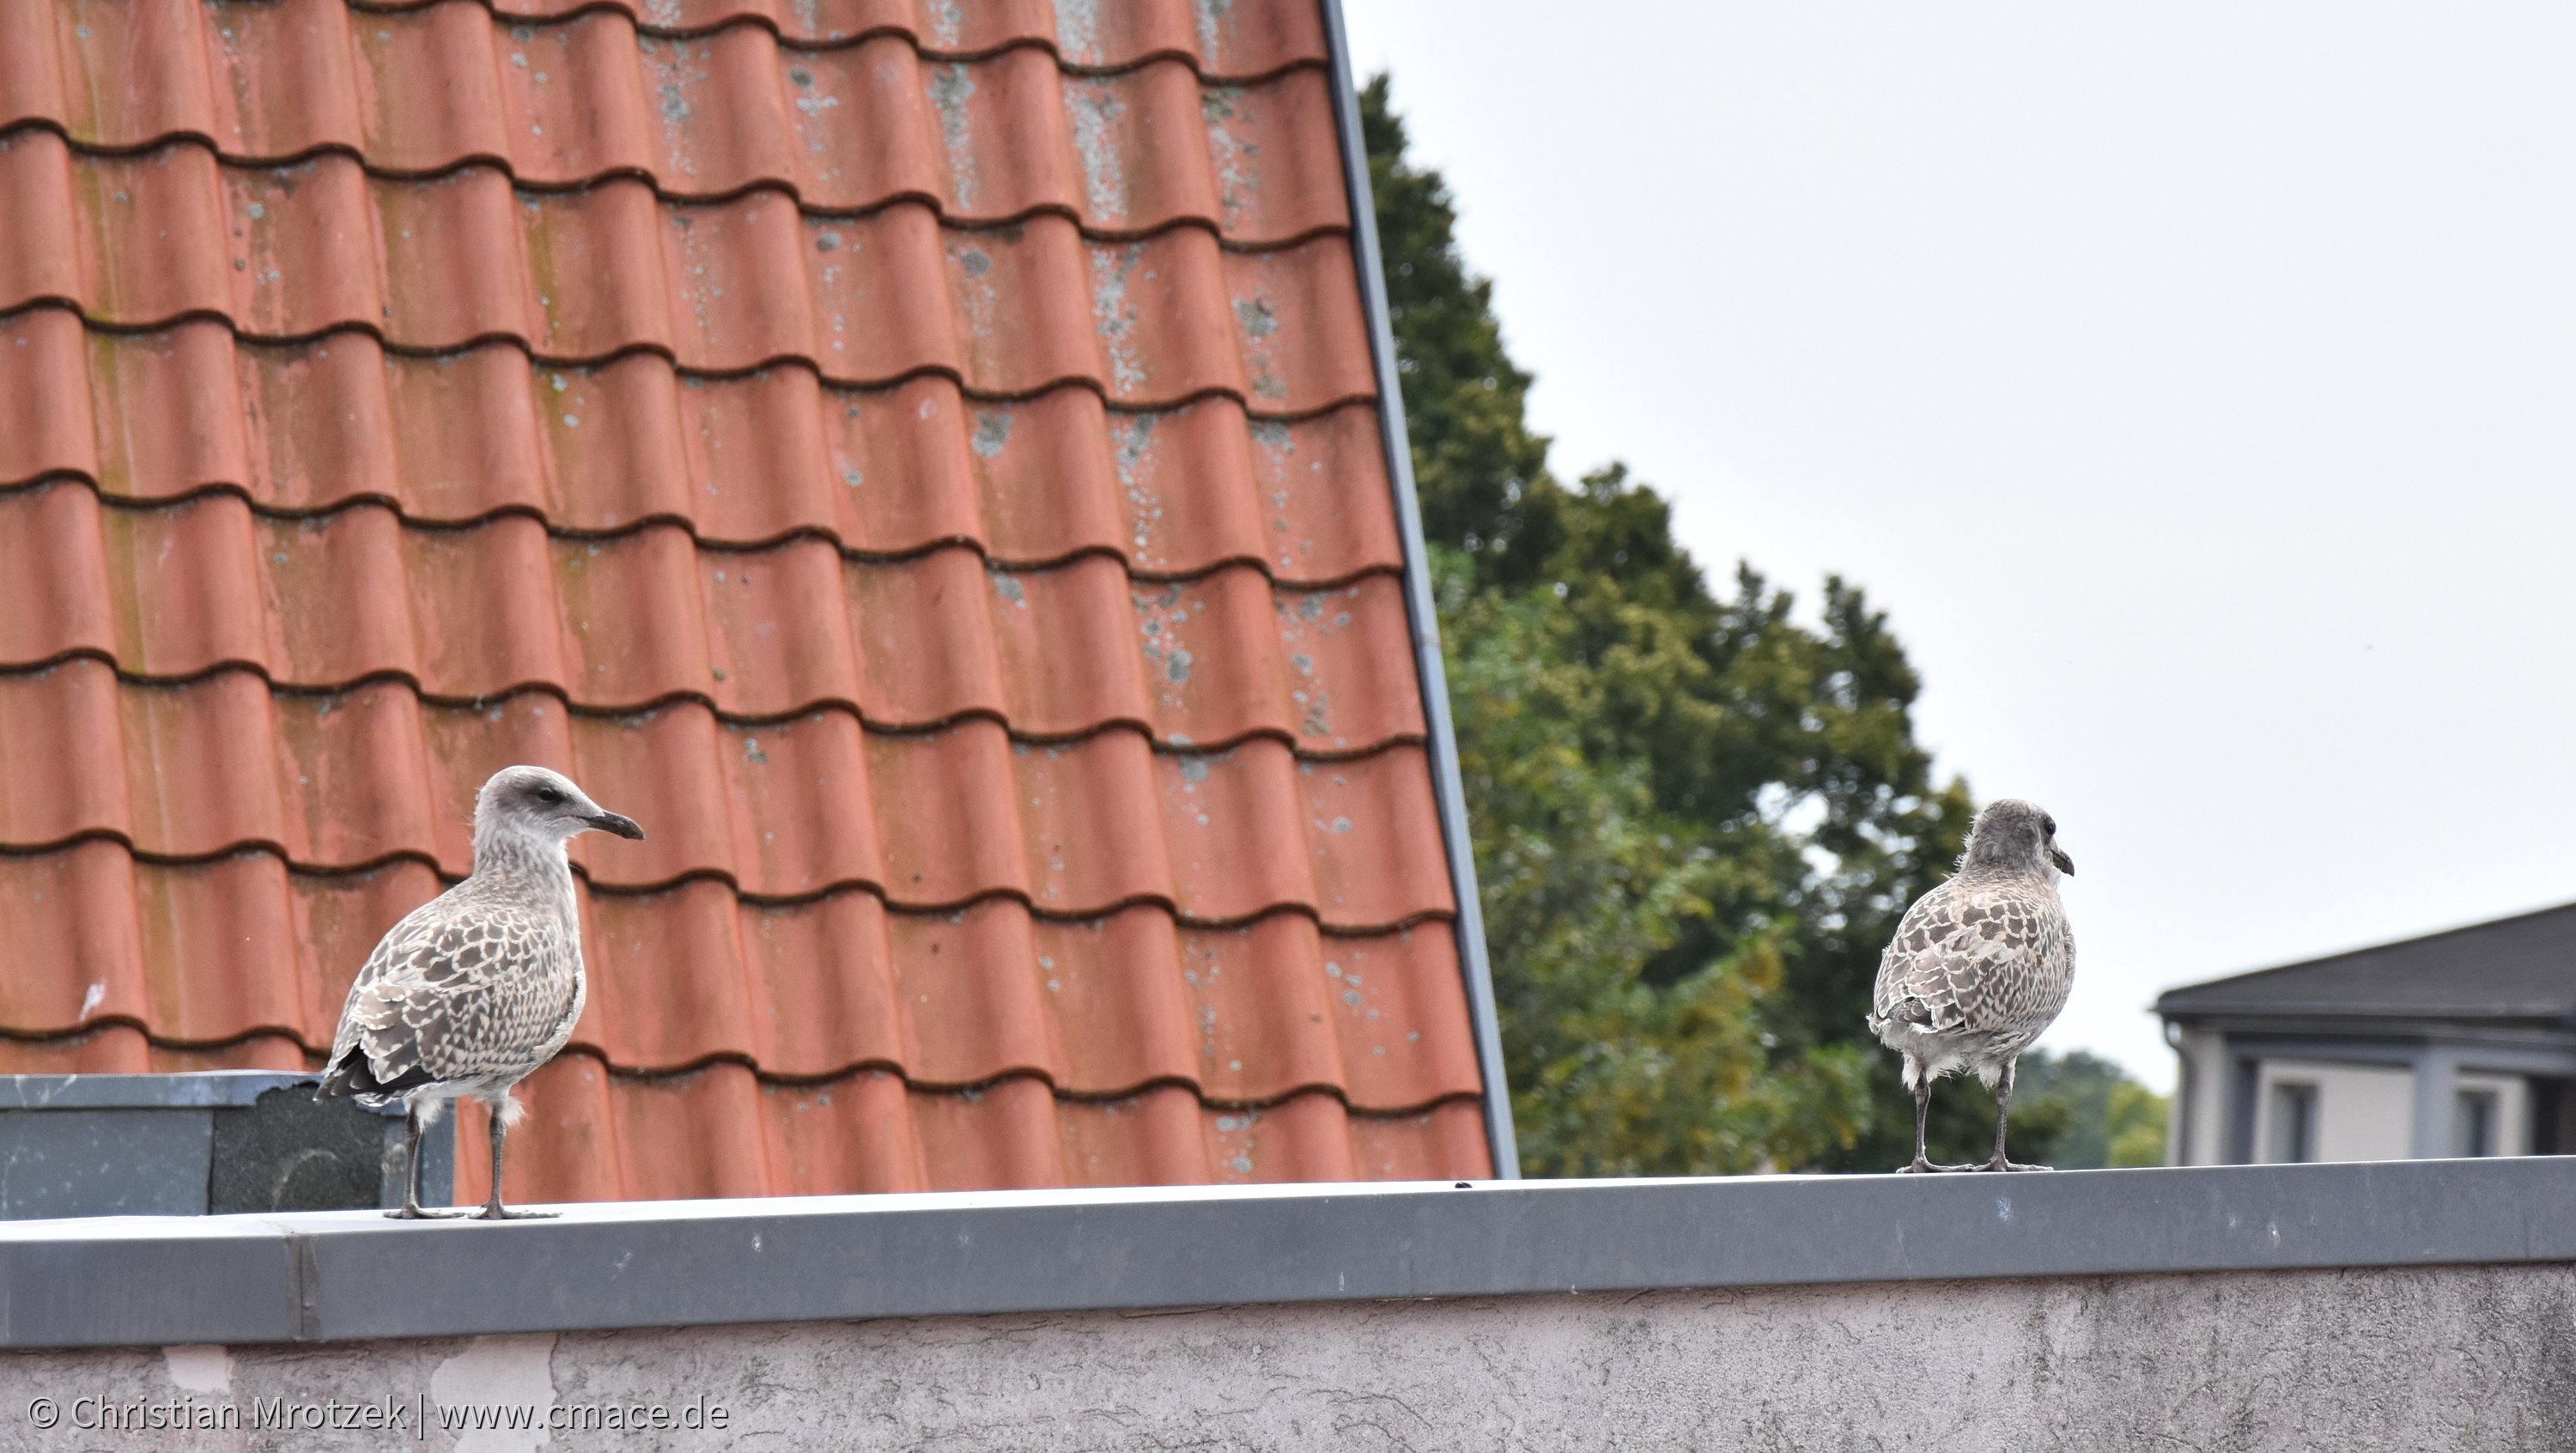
x=1446 y=784
x=334 y=1276
x=191 y=1089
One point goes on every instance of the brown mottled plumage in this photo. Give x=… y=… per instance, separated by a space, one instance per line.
x=1980 y=966
x=476 y=989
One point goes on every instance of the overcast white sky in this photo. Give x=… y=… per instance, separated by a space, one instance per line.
x=2194 y=384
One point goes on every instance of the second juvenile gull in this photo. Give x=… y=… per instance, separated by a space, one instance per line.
x=1979 y=966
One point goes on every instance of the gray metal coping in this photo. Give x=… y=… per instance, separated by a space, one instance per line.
x=216 y=1089
x=329 y=1276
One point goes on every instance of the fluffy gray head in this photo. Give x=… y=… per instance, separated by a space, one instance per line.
x=535 y=806
x=2018 y=836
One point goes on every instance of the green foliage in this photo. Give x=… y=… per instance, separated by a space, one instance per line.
x=2079 y=1111
x=1696 y=819
x=2137 y=1125
x=1584 y=880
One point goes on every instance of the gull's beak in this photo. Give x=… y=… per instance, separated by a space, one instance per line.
x=2056 y=855
x=625 y=826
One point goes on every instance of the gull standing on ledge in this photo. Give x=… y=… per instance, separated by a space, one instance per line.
x=478 y=987
x=1979 y=966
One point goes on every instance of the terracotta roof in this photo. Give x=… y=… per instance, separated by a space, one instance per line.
x=921 y=460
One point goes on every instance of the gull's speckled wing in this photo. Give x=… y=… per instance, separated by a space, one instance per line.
x=1976 y=958
x=466 y=987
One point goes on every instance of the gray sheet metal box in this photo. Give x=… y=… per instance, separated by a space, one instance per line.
x=209 y=1142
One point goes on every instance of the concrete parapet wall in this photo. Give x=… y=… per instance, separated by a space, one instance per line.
x=2400 y=1358
x=2400 y=1305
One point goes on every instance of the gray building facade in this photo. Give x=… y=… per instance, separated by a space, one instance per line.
x=2461 y=1043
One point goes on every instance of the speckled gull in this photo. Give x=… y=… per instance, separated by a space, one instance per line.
x=477 y=988
x=1979 y=967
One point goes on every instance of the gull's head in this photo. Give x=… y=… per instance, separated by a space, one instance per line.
x=533 y=804
x=2015 y=834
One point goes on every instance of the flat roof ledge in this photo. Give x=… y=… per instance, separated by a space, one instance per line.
x=346 y=1275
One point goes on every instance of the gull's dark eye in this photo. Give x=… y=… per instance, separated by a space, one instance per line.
x=2050 y=824
x=549 y=796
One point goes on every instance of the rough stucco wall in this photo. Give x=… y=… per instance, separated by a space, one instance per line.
x=2460 y=1357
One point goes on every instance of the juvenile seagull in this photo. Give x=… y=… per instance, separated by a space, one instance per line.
x=1979 y=966
x=478 y=987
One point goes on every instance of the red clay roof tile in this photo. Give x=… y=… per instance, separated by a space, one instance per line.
x=139 y=241
x=723 y=1131
x=414 y=87
x=920 y=460
x=461 y=437
x=626 y=622
x=803 y=991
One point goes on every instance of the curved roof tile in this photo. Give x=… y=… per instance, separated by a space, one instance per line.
x=723 y=1130
x=272 y=78
x=457 y=438
x=811 y=991
x=651 y=618
x=294 y=252
x=780 y=809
